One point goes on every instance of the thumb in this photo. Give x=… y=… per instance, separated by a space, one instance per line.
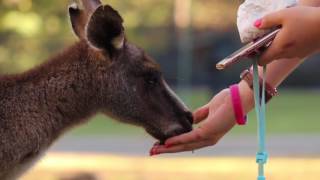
x=275 y=51
x=201 y=114
x=271 y=20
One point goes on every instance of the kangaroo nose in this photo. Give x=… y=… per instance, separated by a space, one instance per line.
x=176 y=130
x=180 y=128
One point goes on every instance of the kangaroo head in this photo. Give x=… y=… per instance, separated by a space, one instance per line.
x=132 y=89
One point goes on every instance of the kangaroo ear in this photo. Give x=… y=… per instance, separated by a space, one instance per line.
x=79 y=16
x=78 y=19
x=105 y=30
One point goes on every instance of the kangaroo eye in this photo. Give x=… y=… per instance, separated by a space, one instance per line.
x=152 y=80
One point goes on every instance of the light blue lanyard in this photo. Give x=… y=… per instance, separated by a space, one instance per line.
x=260 y=107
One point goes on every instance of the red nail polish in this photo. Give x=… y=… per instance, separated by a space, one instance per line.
x=154 y=152
x=168 y=145
x=258 y=23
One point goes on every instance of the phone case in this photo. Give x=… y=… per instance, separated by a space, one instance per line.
x=250 y=49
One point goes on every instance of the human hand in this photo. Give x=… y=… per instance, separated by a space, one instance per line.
x=215 y=119
x=299 y=36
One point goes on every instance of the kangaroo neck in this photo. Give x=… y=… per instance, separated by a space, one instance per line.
x=52 y=97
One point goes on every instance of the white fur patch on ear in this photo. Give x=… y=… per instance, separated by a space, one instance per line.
x=118 y=42
x=74 y=5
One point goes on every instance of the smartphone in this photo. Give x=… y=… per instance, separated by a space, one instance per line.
x=248 y=50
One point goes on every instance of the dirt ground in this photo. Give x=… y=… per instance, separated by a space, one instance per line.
x=297 y=145
x=84 y=166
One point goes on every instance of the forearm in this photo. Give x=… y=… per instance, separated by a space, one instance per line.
x=309 y=2
x=277 y=72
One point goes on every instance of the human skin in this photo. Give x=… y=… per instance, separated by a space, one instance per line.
x=216 y=118
x=299 y=36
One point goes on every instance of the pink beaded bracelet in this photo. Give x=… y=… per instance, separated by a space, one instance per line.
x=241 y=118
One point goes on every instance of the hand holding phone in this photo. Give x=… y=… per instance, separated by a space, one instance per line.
x=250 y=49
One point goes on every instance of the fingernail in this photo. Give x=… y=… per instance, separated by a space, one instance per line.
x=151 y=151
x=258 y=23
x=154 y=152
x=168 y=145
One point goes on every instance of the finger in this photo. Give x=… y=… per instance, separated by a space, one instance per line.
x=275 y=51
x=209 y=109
x=212 y=126
x=193 y=136
x=184 y=147
x=220 y=122
x=152 y=151
x=201 y=114
x=271 y=20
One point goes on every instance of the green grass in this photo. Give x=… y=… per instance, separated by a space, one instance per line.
x=291 y=112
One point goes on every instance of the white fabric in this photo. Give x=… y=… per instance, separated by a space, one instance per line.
x=251 y=10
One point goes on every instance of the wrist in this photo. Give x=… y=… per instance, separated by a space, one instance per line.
x=247 y=76
x=246 y=95
x=240 y=101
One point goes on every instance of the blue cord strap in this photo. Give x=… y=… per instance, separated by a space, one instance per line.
x=260 y=107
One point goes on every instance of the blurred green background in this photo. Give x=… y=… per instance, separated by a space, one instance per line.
x=186 y=37
x=293 y=112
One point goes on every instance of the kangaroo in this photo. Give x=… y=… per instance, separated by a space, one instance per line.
x=101 y=73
